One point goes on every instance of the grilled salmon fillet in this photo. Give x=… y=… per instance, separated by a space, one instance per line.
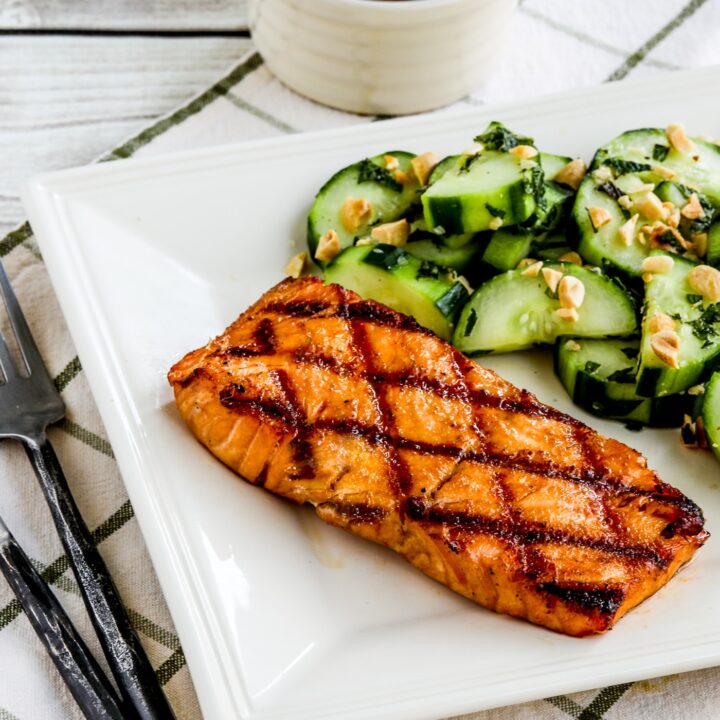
x=325 y=398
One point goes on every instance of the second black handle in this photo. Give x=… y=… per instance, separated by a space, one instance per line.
x=136 y=679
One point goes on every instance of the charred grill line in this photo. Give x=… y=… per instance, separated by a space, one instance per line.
x=232 y=399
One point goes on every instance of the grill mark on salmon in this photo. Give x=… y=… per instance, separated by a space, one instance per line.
x=543 y=574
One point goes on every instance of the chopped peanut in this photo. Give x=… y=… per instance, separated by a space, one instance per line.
x=666 y=344
x=677 y=137
x=464 y=282
x=572 y=174
x=571 y=257
x=328 y=246
x=567 y=314
x=423 y=165
x=571 y=292
x=664 y=173
x=643 y=188
x=603 y=174
x=625 y=202
x=532 y=270
x=692 y=210
x=391 y=163
x=495 y=223
x=599 y=217
x=525 y=262
x=657 y=264
x=573 y=346
x=648 y=205
x=296 y=265
x=552 y=278
x=660 y=321
x=365 y=241
x=647 y=277
x=402 y=177
x=696 y=390
x=354 y=213
x=394 y=233
x=627 y=231
x=525 y=152
x=705 y=280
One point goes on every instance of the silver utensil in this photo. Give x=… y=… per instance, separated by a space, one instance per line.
x=29 y=402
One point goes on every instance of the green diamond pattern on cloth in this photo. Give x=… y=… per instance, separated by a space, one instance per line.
x=257 y=105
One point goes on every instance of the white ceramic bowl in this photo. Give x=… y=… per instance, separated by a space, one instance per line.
x=381 y=56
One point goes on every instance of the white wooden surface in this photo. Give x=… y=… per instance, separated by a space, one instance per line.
x=64 y=100
x=141 y=15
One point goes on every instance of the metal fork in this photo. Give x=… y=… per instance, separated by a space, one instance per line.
x=28 y=404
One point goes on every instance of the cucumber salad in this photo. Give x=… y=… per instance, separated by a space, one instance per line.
x=504 y=247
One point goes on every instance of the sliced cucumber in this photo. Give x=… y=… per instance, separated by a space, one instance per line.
x=649 y=148
x=419 y=231
x=367 y=179
x=514 y=311
x=435 y=251
x=507 y=247
x=392 y=276
x=696 y=323
x=711 y=413
x=636 y=158
x=551 y=253
x=483 y=187
x=442 y=167
x=713 y=249
x=599 y=376
x=553 y=164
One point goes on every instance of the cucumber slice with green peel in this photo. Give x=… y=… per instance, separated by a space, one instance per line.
x=434 y=251
x=555 y=209
x=599 y=376
x=442 y=167
x=367 y=179
x=713 y=248
x=640 y=151
x=507 y=247
x=711 y=413
x=392 y=276
x=419 y=231
x=481 y=189
x=697 y=325
x=514 y=311
x=670 y=192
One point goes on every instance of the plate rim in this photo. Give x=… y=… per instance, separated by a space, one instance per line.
x=44 y=197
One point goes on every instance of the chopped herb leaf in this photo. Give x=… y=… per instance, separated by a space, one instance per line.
x=549 y=293
x=669 y=239
x=611 y=189
x=498 y=137
x=368 y=171
x=634 y=425
x=534 y=184
x=692 y=299
x=706 y=327
x=629 y=352
x=621 y=167
x=623 y=376
x=472 y=319
x=467 y=162
x=428 y=270
x=660 y=152
x=591 y=367
x=495 y=212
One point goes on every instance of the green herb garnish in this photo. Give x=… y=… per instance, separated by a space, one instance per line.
x=498 y=137
x=692 y=299
x=660 y=152
x=591 y=367
x=368 y=171
x=495 y=212
x=534 y=184
x=629 y=352
x=707 y=326
x=622 y=167
x=623 y=376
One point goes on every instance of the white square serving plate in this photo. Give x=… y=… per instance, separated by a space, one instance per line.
x=281 y=616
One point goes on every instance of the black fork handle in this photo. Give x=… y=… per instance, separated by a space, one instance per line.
x=136 y=679
x=81 y=673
